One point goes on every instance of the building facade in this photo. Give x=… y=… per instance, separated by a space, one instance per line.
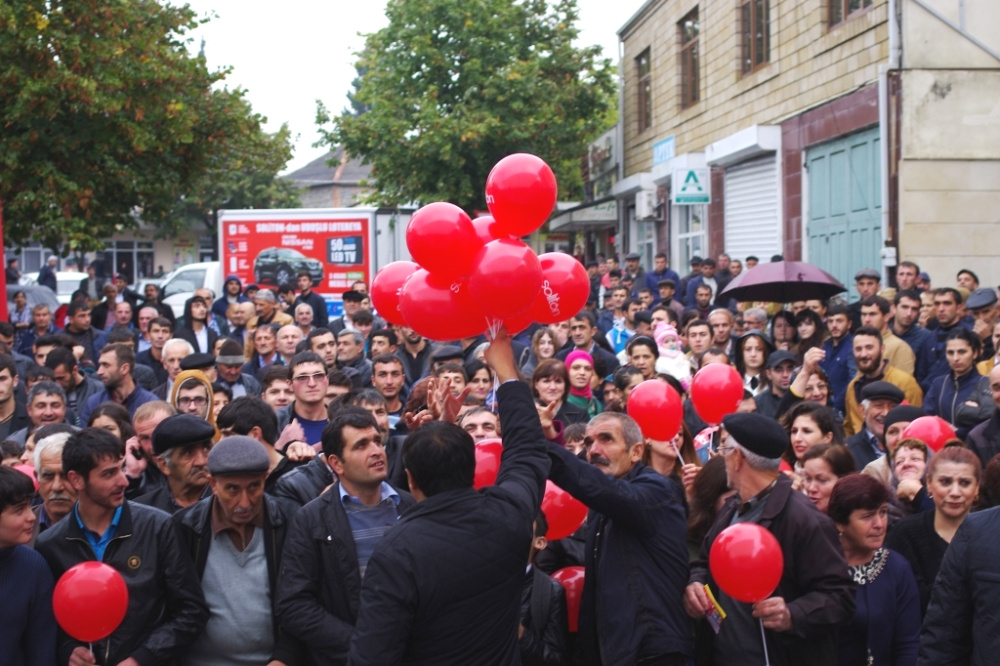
x=812 y=129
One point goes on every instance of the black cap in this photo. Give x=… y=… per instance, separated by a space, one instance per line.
x=757 y=433
x=198 y=361
x=981 y=298
x=869 y=273
x=902 y=413
x=882 y=391
x=181 y=430
x=447 y=353
x=775 y=358
x=644 y=316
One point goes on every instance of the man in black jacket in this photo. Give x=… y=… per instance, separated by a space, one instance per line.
x=542 y=635
x=331 y=539
x=235 y=539
x=636 y=555
x=444 y=585
x=312 y=299
x=166 y=609
x=815 y=595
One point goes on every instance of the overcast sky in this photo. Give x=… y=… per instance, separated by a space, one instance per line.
x=298 y=51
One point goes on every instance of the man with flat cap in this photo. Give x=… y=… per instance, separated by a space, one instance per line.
x=877 y=400
x=180 y=451
x=815 y=595
x=235 y=538
x=203 y=362
x=867 y=282
x=982 y=305
x=895 y=423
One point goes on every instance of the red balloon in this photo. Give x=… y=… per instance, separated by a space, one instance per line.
x=90 y=601
x=564 y=291
x=441 y=238
x=518 y=323
x=933 y=431
x=746 y=561
x=505 y=278
x=521 y=192
x=387 y=288
x=571 y=578
x=488 y=454
x=29 y=472
x=716 y=390
x=488 y=230
x=439 y=309
x=656 y=407
x=564 y=513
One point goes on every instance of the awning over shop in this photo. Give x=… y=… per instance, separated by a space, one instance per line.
x=591 y=216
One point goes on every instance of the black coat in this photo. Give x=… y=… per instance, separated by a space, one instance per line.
x=304 y=483
x=319 y=587
x=984 y=439
x=444 y=585
x=636 y=561
x=166 y=607
x=185 y=333
x=543 y=616
x=815 y=584
x=962 y=625
x=194 y=526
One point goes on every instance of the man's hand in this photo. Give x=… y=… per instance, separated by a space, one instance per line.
x=500 y=356
x=774 y=614
x=292 y=432
x=81 y=656
x=983 y=329
x=414 y=421
x=299 y=452
x=696 y=602
x=134 y=466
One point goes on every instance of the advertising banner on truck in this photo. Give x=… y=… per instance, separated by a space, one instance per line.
x=270 y=248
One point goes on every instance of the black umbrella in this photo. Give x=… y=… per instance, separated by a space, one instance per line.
x=783 y=282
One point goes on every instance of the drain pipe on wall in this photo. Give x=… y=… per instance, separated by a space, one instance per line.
x=890 y=244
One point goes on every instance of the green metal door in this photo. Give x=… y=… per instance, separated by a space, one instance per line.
x=845 y=206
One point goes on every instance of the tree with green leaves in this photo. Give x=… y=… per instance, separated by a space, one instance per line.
x=452 y=86
x=106 y=119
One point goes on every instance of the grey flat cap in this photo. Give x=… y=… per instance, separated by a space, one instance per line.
x=981 y=298
x=238 y=454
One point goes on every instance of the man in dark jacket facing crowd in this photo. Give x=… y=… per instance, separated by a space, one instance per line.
x=636 y=555
x=235 y=539
x=444 y=585
x=815 y=595
x=166 y=608
x=332 y=538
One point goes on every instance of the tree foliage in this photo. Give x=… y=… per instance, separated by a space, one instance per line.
x=245 y=176
x=106 y=117
x=454 y=85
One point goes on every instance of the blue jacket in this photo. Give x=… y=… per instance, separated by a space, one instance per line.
x=921 y=341
x=630 y=607
x=653 y=282
x=840 y=368
x=961 y=626
x=948 y=395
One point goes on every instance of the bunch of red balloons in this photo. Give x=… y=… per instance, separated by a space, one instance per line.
x=571 y=578
x=471 y=274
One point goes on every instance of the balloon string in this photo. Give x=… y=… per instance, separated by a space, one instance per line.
x=493 y=327
x=763 y=639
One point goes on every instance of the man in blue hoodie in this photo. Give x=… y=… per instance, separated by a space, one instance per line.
x=232 y=292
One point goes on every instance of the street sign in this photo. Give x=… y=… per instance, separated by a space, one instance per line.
x=691 y=186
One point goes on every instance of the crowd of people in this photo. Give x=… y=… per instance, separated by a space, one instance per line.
x=277 y=486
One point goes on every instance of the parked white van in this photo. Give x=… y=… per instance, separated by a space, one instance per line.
x=180 y=285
